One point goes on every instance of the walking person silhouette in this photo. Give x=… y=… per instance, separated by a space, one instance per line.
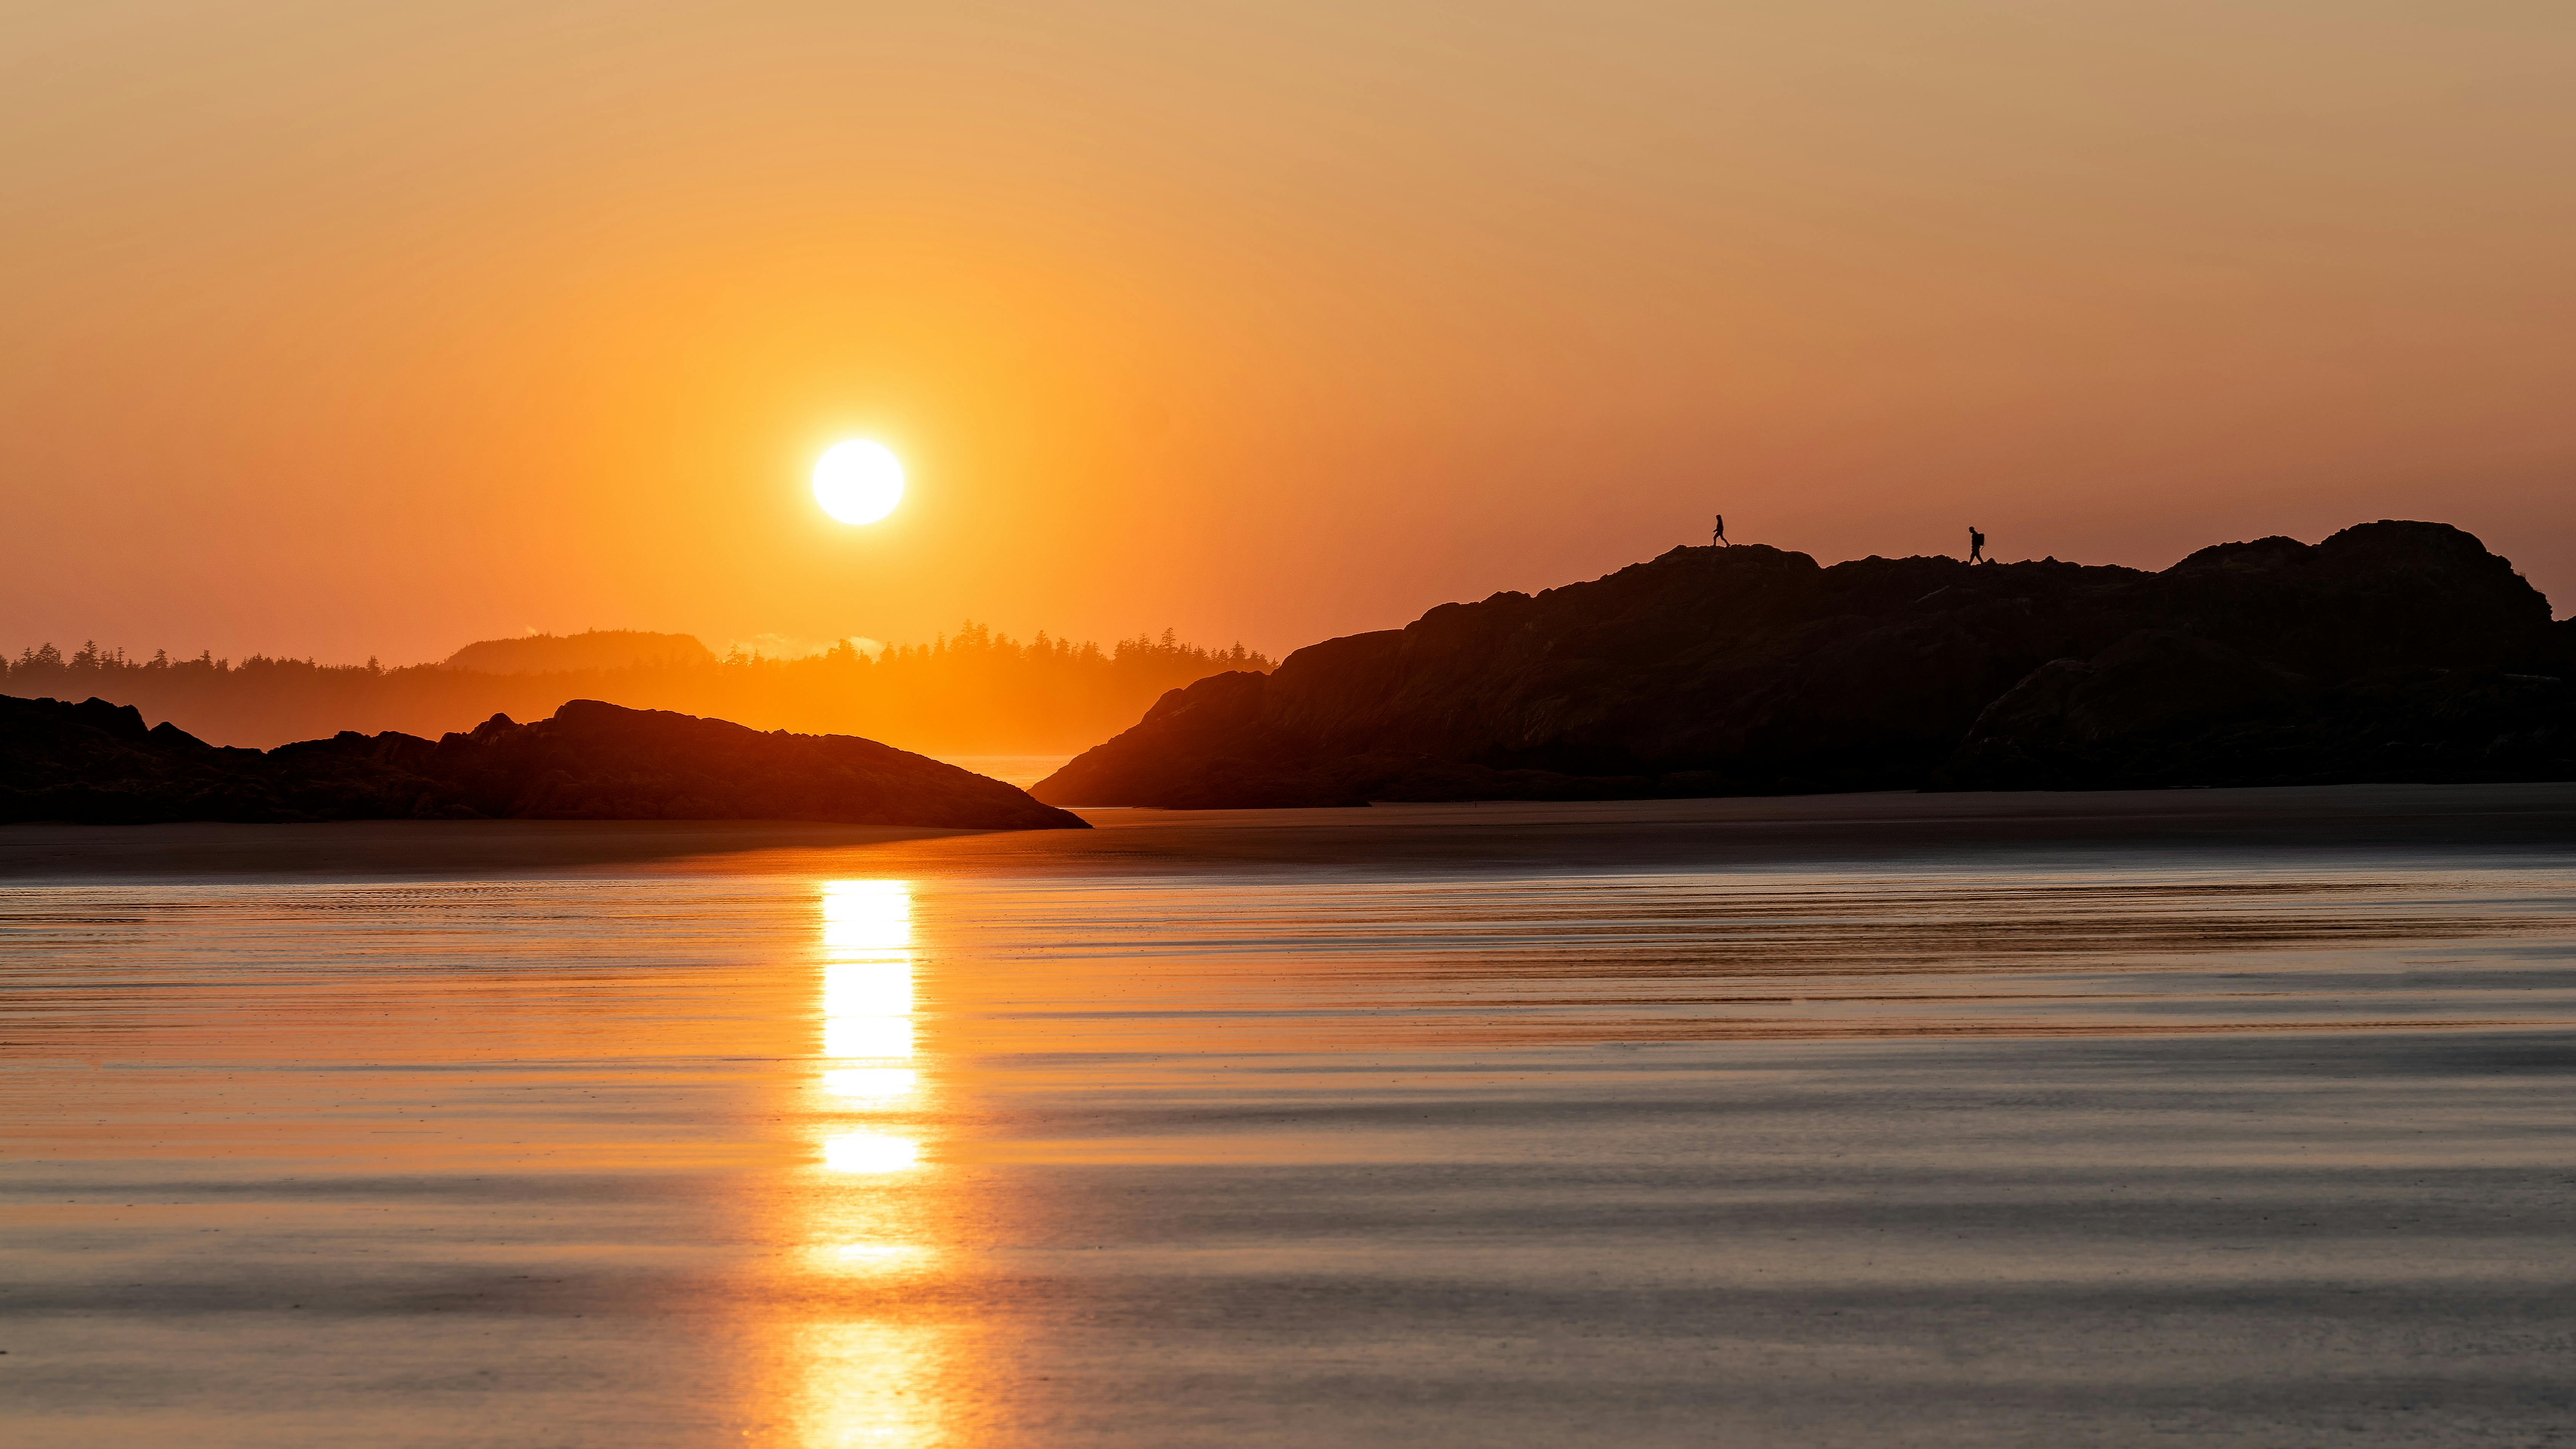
x=1718 y=534
x=1977 y=546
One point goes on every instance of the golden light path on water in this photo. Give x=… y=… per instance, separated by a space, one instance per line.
x=867 y=1380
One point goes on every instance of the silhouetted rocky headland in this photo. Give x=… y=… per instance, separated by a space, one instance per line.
x=2389 y=652
x=95 y=762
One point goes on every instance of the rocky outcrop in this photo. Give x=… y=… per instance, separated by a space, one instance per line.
x=96 y=762
x=2391 y=651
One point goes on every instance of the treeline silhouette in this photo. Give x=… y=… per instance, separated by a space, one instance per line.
x=971 y=692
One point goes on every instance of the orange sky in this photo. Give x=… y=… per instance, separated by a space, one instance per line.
x=340 y=330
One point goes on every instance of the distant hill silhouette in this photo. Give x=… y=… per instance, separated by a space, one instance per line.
x=592 y=649
x=968 y=693
x=95 y=762
x=2390 y=652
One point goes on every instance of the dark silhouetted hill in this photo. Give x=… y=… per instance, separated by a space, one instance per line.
x=594 y=649
x=96 y=763
x=2390 y=652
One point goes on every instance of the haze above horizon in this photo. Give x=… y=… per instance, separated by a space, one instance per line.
x=339 y=332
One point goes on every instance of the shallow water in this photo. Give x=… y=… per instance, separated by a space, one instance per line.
x=1728 y=1123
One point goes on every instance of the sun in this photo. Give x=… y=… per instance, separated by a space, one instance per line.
x=858 y=481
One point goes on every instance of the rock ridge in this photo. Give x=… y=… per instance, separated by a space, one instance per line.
x=2391 y=651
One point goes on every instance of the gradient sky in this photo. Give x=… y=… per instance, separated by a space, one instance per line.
x=340 y=330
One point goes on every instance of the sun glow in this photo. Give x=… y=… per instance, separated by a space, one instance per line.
x=858 y=481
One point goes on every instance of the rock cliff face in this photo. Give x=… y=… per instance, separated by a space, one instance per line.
x=2389 y=652
x=95 y=762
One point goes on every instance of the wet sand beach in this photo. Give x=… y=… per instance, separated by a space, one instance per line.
x=2235 y=1117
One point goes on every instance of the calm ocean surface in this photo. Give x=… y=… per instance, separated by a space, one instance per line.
x=2234 y=1117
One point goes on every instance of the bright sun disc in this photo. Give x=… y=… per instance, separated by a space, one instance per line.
x=858 y=481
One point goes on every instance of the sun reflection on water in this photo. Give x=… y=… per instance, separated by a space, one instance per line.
x=870 y=1152
x=867 y=969
x=869 y=1383
x=867 y=1023
x=872 y=1085
x=868 y=1380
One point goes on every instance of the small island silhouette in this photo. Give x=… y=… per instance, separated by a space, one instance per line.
x=97 y=763
x=589 y=650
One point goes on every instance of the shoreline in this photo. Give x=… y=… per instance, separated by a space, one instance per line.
x=1574 y=836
